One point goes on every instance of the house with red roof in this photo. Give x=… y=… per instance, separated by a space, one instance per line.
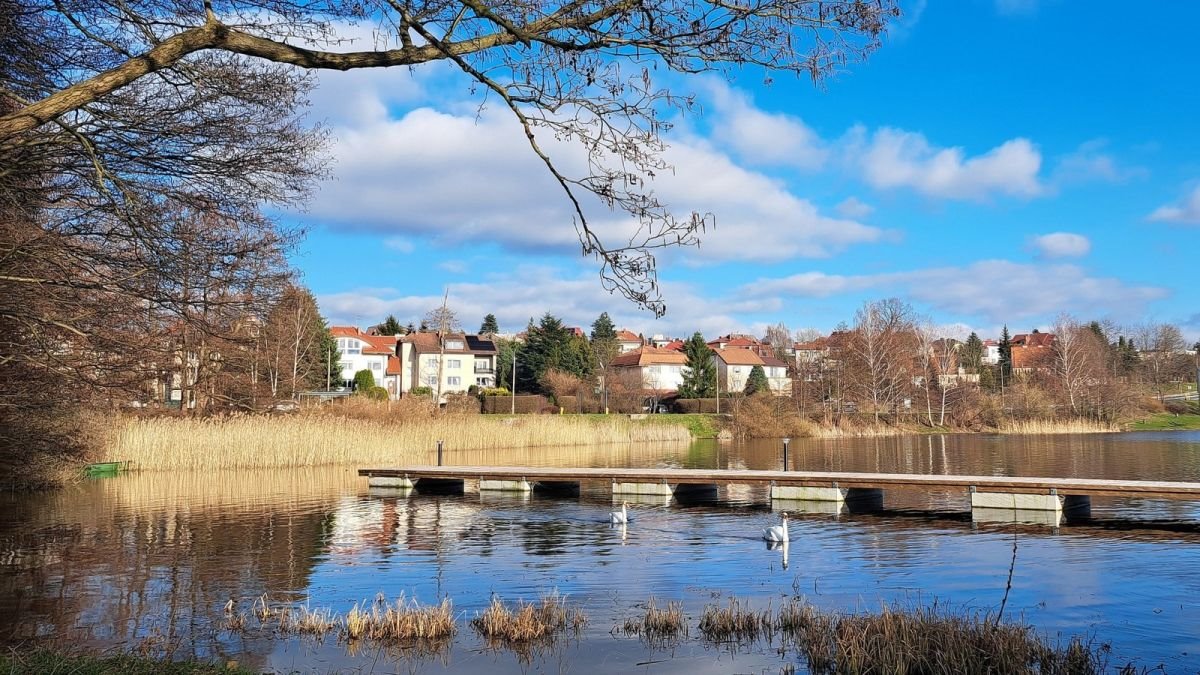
x=359 y=351
x=453 y=362
x=628 y=341
x=661 y=370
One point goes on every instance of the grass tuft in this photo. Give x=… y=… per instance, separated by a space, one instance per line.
x=528 y=621
x=658 y=626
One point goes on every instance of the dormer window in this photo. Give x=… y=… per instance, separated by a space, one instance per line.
x=454 y=344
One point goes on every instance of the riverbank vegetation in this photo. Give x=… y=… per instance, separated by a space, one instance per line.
x=895 y=639
x=361 y=435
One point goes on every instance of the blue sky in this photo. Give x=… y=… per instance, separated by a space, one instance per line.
x=996 y=161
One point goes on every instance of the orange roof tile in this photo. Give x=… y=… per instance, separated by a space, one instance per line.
x=649 y=356
x=739 y=357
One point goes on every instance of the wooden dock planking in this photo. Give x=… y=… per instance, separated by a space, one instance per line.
x=1005 y=484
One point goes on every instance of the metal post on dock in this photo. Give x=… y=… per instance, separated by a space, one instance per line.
x=439 y=453
x=785 y=454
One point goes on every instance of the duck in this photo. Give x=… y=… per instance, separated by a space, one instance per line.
x=619 y=517
x=777 y=532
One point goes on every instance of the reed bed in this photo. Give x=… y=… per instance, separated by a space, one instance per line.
x=404 y=622
x=736 y=622
x=1076 y=426
x=529 y=621
x=903 y=640
x=273 y=441
x=658 y=626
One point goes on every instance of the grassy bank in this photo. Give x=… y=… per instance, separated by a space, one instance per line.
x=1166 y=422
x=42 y=661
x=260 y=441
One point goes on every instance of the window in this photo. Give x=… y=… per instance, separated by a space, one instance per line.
x=431 y=363
x=454 y=344
x=454 y=381
x=737 y=369
x=676 y=369
x=454 y=363
x=374 y=365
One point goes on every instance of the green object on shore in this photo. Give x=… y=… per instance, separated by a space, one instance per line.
x=104 y=469
x=1167 y=422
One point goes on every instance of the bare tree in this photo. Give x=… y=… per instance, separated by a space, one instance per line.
x=580 y=71
x=780 y=339
x=1163 y=355
x=444 y=321
x=882 y=351
x=1078 y=359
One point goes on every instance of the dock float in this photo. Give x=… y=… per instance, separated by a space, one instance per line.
x=1017 y=493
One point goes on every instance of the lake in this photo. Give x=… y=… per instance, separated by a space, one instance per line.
x=150 y=562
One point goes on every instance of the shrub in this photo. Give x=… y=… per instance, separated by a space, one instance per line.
x=421 y=391
x=494 y=391
x=768 y=416
x=364 y=381
x=375 y=393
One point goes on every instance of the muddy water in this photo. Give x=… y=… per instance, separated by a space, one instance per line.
x=149 y=562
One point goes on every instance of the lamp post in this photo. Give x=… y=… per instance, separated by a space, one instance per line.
x=514 y=382
x=785 y=454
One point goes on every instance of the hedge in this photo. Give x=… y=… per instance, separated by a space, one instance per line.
x=525 y=404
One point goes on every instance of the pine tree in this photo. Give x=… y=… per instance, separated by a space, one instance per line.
x=489 y=325
x=972 y=353
x=1006 y=362
x=757 y=382
x=699 y=375
x=549 y=345
x=390 y=326
x=603 y=329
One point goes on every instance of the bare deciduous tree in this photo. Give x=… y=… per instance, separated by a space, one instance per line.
x=580 y=71
x=882 y=351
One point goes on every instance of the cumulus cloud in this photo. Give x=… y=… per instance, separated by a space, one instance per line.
x=1185 y=211
x=470 y=176
x=522 y=295
x=760 y=137
x=895 y=158
x=1061 y=245
x=998 y=290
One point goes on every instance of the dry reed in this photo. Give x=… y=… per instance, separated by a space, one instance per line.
x=736 y=622
x=1075 y=426
x=402 y=622
x=528 y=621
x=262 y=441
x=658 y=626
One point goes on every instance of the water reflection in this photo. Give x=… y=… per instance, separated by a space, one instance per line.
x=154 y=559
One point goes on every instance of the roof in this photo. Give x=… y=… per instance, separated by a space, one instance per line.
x=1033 y=340
x=675 y=345
x=769 y=360
x=344 y=331
x=427 y=343
x=818 y=345
x=735 y=341
x=624 y=335
x=393 y=365
x=739 y=357
x=649 y=356
x=376 y=344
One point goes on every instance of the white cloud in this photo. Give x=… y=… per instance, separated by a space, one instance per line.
x=1061 y=245
x=852 y=207
x=998 y=290
x=471 y=177
x=1186 y=212
x=399 y=244
x=894 y=158
x=1091 y=163
x=530 y=291
x=453 y=266
x=760 y=137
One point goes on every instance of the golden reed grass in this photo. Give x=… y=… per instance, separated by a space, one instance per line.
x=1076 y=426
x=261 y=441
x=528 y=621
x=658 y=626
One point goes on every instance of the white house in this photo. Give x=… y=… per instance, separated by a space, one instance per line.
x=627 y=341
x=460 y=361
x=991 y=352
x=661 y=370
x=777 y=375
x=359 y=351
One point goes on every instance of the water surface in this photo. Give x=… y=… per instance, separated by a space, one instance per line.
x=149 y=561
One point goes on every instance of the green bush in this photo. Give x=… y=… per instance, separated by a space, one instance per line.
x=363 y=382
x=376 y=393
x=421 y=391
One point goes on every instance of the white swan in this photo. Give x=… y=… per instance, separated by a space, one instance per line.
x=619 y=517
x=777 y=532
